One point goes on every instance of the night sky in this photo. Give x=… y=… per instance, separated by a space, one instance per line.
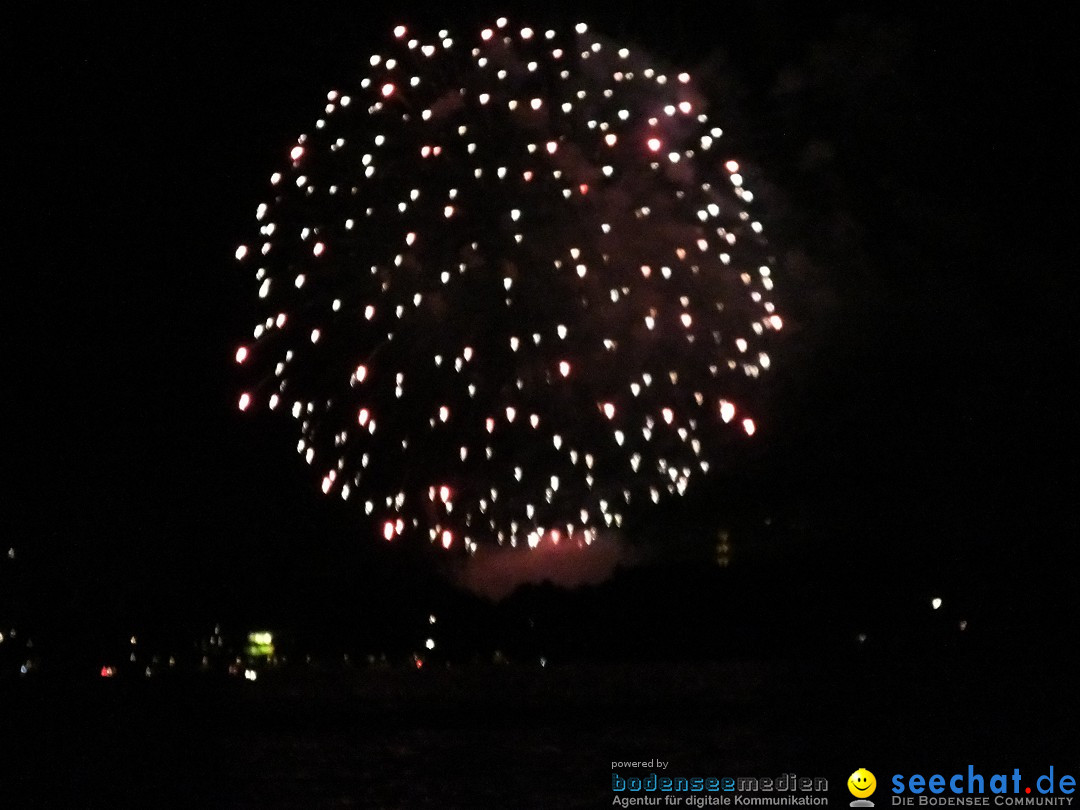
x=918 y=433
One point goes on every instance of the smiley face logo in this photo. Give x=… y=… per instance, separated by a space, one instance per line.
x=861 y=783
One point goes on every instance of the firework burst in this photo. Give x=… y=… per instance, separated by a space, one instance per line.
x=511 y=289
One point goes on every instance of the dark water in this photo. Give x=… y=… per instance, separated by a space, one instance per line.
x=520 y=736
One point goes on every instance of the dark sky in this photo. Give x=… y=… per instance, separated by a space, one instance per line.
x=912 y=165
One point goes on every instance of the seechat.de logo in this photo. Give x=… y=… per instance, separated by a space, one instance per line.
x=862 y=785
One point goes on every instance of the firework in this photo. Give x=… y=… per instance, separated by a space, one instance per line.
x=511 y=289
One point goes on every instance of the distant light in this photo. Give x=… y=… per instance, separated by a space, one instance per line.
x=250 y=675
x=749 y=427
x=430 y=644
x=935 y=603
x=107 y=672
x=654 y=144
x=296 y=152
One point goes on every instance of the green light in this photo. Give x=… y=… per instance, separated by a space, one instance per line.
x=260 y=644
